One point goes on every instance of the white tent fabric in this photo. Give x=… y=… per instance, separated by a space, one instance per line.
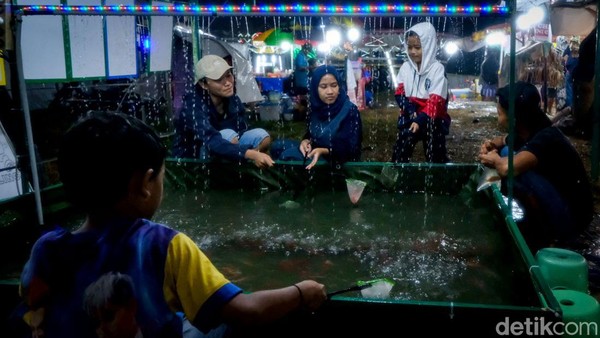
x=567 y=17
x=573 y=20
x=11 y=184
x=245 y=82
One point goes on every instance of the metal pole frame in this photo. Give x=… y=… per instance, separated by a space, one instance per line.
x=595 y=155
x=27 y=117
x=19 y=13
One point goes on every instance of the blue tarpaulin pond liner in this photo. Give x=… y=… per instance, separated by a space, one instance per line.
x=458 y=260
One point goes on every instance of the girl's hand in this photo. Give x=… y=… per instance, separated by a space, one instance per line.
x=490 y=158
x=261 y=160
x=414 y=127
x=305 y=148
x=492 y=144
x=314 y=155
x=486 y=147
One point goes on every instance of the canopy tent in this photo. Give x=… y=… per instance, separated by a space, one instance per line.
x=245 y=83
x=11 y=183
x=272 y=37
x=573 y=18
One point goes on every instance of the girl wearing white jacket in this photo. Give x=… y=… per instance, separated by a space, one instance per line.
x=422 y=95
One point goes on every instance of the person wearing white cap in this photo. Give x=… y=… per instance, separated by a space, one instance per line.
x=213 y=119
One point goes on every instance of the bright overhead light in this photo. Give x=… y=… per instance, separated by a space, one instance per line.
x=536 y=14
x=450 y=48
x=533 y=16
x=495 y=39
x=353 y=34
x=523 y=22
x=333 y=37
x=285 y=46
x=324 y=48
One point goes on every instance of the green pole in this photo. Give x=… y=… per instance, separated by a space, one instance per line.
x=511 y=97
x=596 y=107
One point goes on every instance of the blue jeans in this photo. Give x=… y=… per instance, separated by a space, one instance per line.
x=252 y=137
x=569 y=90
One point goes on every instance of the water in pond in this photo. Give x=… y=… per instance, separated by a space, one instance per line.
x=435 y=247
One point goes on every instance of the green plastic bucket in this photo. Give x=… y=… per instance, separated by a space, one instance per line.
x=581 y=313
x=563 y=269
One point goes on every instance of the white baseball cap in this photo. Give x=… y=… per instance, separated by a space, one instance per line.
x=210 y=66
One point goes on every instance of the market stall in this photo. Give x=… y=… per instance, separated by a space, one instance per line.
x=273 y=51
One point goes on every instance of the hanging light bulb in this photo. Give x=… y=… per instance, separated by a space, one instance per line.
x=451 y=48
x=353 y=34
x=333 y=37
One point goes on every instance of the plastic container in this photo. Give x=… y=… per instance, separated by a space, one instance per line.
x=563 y=269
x=287 y=107
x=581 y=310
x=274 y=96
x=269 y=111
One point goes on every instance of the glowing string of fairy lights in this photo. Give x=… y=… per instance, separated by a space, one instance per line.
x=264 y=10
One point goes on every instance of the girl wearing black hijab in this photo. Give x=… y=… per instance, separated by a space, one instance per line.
x=334 y=128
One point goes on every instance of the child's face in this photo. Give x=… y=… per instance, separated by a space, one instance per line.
x=328 y=89
x=415 y=52
x=502 y=118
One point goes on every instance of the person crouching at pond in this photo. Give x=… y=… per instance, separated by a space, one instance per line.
x=213 y=119
x=112 y=167
x=550 y=180
x=334 y=127
x=422 y=94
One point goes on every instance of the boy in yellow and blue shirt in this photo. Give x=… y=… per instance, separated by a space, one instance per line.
x=112 y=167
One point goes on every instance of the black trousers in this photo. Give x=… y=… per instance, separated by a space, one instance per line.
x=433 y=137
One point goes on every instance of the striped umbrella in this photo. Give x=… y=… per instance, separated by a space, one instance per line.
x=272 y=37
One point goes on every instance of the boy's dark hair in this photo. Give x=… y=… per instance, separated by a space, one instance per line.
x=99 y=156
x=528 y=112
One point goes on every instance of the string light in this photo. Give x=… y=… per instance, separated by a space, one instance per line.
x=394 y=10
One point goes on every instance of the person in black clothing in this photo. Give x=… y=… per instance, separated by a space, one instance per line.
x=583 y=85
x=550 y=180
x=489 y=74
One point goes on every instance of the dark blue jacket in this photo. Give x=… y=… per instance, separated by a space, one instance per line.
x=337 y=127
x=199 y=123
